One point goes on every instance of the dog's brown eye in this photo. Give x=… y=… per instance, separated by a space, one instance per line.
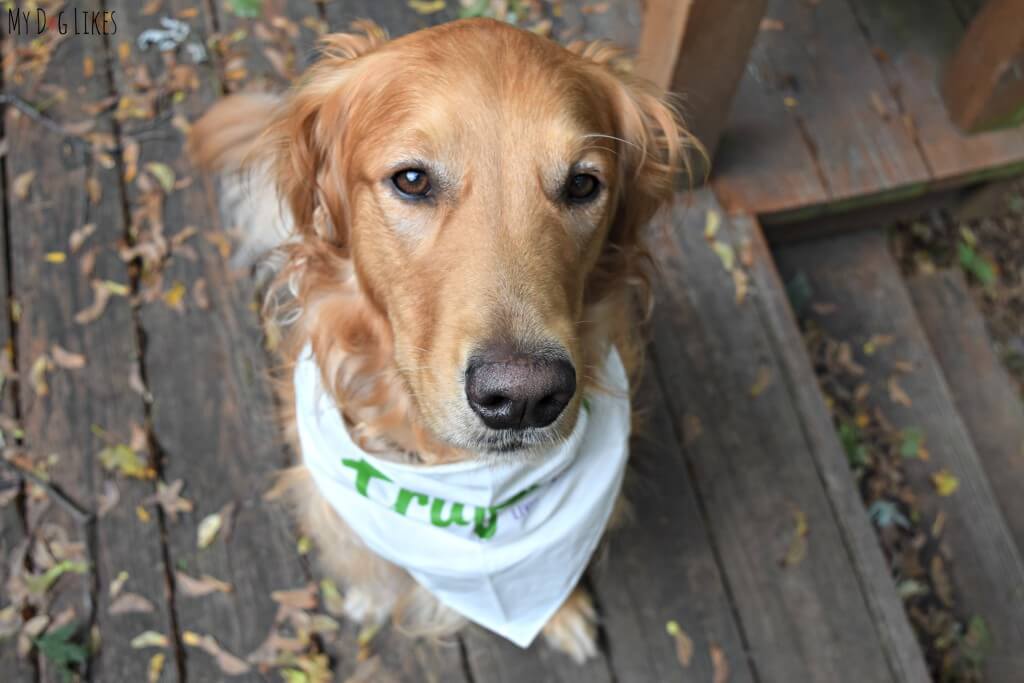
x=582 y=187
x=412 y=182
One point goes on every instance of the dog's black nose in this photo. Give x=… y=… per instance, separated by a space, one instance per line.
x=511 y=390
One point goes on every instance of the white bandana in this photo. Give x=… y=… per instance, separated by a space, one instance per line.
x=501 y=544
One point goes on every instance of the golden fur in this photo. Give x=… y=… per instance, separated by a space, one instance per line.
x=393 y=297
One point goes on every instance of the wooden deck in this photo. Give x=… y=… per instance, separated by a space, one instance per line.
x=841 y=108
x=752 y=557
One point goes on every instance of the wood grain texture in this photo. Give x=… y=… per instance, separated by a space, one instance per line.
x=912 y=40
x=894 y=630
x=984 y=80
x=660 y=565
x=757 y=470
x=50 y=295
x=985 y=395
x=212 y=415
x=699 y=49
x=857 y=274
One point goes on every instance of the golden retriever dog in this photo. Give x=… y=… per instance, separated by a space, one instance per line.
x=457 y=220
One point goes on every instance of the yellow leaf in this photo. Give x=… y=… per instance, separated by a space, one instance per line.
x=175 y=296
x=711 y=224
x=142 y=514
x=22 y=184
x=55 y=257
x=156 y=667
x=191 y=638
x=726 y=254
x=945 y=483
x=208 y=529
x=761 y=382
x=798 y=544
x=427 y=6
x=149 y=639
x=790 y=102
x=164 y=175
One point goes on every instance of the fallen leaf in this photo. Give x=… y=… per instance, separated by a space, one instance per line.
x=333 y=601
x=155 y=668
x=298 y=598
x=790 y=102
x=878 y=104
x=876 y=342
x=79 y=236
x=194 y=588
x=797 y=550
x=37 y=375
x=208 y=529
x=128 y=603
x=40 y=583
x=726 y=254
x=22 y=184
x=118 y=584
x=65 y=359
x=427 y=6
x=684 y=645
x=168 y=497
x=143 y=514
x=149 y=639
x=719 y=664
x=712 y=221
x=94 y=189
x=124 y=460
x=911 y=442
x=55 y=257
x=199 y=294
x=762 y=382
x=101 y=296
x=164 y=175
x=945 y=482
x=741 y=282
x=896 y=393
x=227 y=662
x=175 y=297
x=768 y=24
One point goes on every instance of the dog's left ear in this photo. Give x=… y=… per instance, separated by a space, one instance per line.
x=653 y=153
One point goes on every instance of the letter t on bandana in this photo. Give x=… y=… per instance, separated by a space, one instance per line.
x=503 y=544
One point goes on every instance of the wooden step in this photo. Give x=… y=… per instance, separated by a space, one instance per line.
x=857 y=275
x=814 y=602
x=985 y=396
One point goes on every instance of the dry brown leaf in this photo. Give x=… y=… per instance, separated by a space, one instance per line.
x=65 y=359
x=109 y=499
x=101 y=296
x=684 y=645
x=719 y=664
x=130 y=157
x=127 y=603
x=199 y=294
x=769 y=24
x=168 y=497
x=79 y=236
x=227 y=662
x=194 y=588
x=896 y=393
x=298 y=598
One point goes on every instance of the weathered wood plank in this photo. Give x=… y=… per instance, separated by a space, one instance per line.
x=212 y=413
x=727 y=367
x=912 y=40
x=895 y=633
x=984 y=81
x=492 y=658
x=67 y=419
x=699 y=50
x=985 y=396
x=660 y=567
x=857 y=274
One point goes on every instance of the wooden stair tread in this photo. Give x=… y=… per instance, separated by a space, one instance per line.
x=857 y=274
x=985 y=395
x=760 y=444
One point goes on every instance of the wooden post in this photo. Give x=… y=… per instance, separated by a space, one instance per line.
x=698 y=49
x=984 y=82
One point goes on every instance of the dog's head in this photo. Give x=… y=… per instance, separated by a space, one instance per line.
x=486 y=189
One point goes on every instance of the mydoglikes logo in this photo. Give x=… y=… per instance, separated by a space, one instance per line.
x=68 y=21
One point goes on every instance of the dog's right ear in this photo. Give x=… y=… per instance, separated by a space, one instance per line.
x=304 y=139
